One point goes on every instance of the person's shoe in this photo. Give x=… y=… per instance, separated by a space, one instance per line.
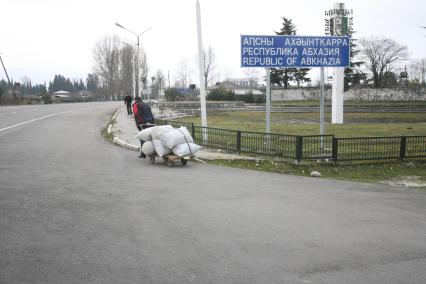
x=142 y=155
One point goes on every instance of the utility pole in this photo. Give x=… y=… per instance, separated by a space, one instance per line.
x=8 y=80
x=4 y=68
x=201 y=70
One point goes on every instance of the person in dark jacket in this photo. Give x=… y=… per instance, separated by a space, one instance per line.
x=143 y=118
x=128 y=101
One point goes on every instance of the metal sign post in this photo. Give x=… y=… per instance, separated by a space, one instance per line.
x=322 y=126
x=268 y=100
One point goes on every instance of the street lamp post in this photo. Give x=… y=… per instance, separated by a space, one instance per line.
x=137 y=54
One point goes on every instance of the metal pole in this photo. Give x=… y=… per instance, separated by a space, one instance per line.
x=268 y=100
x=137 y=69
x=4 y=68
x=137 y=54
x=338 y=74
x=322 y=129
x=201 y=69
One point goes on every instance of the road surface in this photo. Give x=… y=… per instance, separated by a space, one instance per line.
x=74 y=208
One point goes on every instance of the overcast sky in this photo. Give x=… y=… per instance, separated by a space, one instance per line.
x=41 y=38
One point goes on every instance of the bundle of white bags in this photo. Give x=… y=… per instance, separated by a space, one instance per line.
x=165 y=140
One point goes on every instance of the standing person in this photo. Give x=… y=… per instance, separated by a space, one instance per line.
x=143 y=118
x=128 y=101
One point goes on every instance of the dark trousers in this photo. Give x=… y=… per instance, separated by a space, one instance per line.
x=129 y=109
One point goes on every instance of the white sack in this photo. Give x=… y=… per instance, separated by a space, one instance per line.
x=158 y=130
x=175 y=137
x=182 y=150
x=160 y=148
x=148 y=148
x=144 y=134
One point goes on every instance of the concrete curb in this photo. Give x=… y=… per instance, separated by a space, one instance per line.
x=117 y=140
x=115 y=114
x=124 y=144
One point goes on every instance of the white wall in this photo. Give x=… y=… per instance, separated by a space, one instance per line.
x=353 y=94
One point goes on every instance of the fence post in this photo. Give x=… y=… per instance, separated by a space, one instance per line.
x=238 y=141
x=334 y=148
x=193 y=131
x=402 y=148
x=299 y=148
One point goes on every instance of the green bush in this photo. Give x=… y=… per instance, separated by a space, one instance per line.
x=47 y=99
x=250 y=98
x=172 y=94
x=220 y=94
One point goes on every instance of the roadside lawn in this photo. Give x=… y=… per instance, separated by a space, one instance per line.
x=356 y=124
x=407 y=174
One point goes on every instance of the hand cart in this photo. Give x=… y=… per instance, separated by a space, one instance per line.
x=172 y=159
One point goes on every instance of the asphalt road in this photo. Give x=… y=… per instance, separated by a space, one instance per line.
x=76 y=209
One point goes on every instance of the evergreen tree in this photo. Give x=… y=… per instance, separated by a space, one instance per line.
x=47 y=99
x=81 y=85
x=283 y=76
x=92 y=82
x=352 y=74
x=300 y=76
x=61 y=83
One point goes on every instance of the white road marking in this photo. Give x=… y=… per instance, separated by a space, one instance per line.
x=40 y=118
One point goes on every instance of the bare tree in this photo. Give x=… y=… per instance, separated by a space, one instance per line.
x=143 y=69
x=106 y=57
x=182 y=74
x=379 y=54
x=417 y=70
x=252 y=74
x=25 y=81
x=157 y=85
x=126 y=70
x=209 y=62
x=227 y=74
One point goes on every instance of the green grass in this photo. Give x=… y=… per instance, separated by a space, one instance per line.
x=356 y=124
x=399 y=104
x=360 y=172
x=104 y=130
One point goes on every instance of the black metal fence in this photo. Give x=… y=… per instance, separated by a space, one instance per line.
x=300 y=147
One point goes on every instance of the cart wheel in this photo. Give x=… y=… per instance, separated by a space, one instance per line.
x=170 y=163
x=183 y=161
x=152 y=159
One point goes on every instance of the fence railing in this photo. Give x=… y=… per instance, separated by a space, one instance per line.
x=300 y=147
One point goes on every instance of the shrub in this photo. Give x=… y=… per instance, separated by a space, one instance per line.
x=47 y=99
x=221 y=94
x=172 y=94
